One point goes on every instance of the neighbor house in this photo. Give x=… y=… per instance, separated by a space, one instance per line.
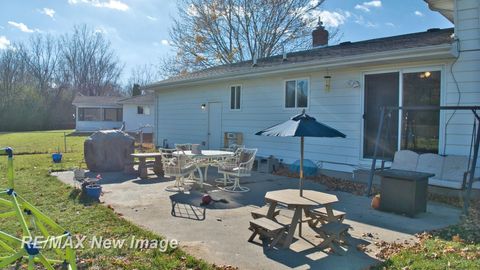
x=343 y=86
x=97 y=112
x=101 y=112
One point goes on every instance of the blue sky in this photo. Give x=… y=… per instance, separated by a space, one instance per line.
x=138 y=29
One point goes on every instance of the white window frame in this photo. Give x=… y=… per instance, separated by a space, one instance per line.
x=284 y=92
x=230 y=99
x=401 y=71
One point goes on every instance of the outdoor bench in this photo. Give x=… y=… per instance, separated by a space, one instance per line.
x=449 y=171
x=267 y=228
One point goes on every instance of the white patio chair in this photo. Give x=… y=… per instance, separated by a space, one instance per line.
x=178 y=166
x=237 y=168
x=228 y=162
x=183 y=147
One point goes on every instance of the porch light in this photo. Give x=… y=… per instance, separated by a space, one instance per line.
x=425 y=75
x=203 y=106
x=328 y=79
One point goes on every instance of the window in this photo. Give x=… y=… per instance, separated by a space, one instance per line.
x=89 y=114
x=296 y=94
x=143 y=110
x=235 y=97
x=112 y=114
x=420 y=129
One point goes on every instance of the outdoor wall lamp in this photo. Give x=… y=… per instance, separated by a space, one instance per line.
x=328 y=85
x=203 y=106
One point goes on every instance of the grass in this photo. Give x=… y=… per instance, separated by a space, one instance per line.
x=454 y=247
x=69 y=209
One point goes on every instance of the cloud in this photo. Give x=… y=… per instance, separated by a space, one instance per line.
x=333 y=18
x=4 y=43
x=22 y=27
x=365 y=6
x=390 y=24
x=165 y=42
x=111 y=4
x=152 y=18
x=418 y=13
x=48 y=11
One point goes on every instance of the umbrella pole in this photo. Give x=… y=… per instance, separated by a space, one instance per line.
x=301 y=165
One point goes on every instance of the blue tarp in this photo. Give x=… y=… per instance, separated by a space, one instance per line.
x=309 y=167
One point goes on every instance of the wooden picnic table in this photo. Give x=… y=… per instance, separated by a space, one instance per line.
x=292 y=200
x=143 y=164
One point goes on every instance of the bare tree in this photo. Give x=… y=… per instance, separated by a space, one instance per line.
x=89 y=63
x=212 y=32
x=142 y=75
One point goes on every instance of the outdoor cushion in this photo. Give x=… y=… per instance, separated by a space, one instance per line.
x=444 y=183
x=454 y=168
x=405 y=160
x=430 y=163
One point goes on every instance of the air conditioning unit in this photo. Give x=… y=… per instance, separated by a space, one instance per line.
x=230 y=138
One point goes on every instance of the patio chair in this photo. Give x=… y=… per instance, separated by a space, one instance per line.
x=228 y=162
x=179 y=166
x=238 y=167
x=183 y=147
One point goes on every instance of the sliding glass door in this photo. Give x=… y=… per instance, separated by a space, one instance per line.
x=419 y=130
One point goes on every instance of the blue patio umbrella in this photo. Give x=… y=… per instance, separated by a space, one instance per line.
x=301 y=125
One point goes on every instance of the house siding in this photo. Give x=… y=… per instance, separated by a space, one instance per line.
x=134 y=121
x=466 y=71
x=180 y=118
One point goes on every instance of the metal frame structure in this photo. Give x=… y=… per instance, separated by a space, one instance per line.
x=31 y=221
x=387 y=110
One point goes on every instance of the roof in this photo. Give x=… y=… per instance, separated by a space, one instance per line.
x=445 y=7
x=427 y=39
x=96 y=100
x=140 y=99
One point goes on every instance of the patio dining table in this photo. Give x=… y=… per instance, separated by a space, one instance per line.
x=292 y=200
x=205 y=159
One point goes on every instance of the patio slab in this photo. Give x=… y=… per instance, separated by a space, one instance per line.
x=221 y=238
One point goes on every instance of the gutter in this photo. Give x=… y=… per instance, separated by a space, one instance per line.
x=437 y=51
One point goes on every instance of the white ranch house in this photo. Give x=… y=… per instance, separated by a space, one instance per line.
x=342 y=86
x=101 y=112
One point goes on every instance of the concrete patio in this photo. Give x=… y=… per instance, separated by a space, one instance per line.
x=221 y=238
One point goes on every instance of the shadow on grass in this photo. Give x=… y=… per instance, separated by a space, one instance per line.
x=82 y=197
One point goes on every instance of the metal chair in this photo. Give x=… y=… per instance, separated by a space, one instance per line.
x=237 y=167
x=178 y=166
x=229 y=162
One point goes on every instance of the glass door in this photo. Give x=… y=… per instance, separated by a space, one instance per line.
x=380 y=90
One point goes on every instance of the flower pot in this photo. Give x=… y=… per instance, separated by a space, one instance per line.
x=376 y=202
x=57 y=157
x=93 y=191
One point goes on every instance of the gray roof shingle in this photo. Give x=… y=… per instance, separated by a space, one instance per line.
x=408 y=41
x=96 y=100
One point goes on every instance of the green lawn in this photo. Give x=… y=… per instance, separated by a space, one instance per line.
x=65 y=206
